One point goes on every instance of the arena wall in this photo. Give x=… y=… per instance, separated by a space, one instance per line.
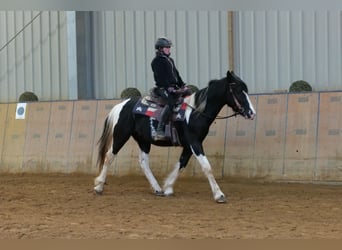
x=295 y=137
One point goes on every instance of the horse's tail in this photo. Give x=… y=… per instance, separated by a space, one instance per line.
x=105 y=141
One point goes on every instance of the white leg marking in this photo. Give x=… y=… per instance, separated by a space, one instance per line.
x=206 y=168
x=171 y=179
x=145 y=165
x=101 y=179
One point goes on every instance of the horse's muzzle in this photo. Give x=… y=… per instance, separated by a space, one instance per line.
x=250 y=115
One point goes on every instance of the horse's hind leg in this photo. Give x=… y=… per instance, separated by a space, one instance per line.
x=101 y=179
x=119 y=139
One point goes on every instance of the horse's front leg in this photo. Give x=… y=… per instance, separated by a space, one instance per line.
x=145 y=165
x=206 y=168
x=101 y=179
x=172 y=177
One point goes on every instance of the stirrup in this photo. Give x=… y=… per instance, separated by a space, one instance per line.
x=160 y=135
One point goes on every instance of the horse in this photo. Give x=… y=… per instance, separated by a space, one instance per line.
x=202 y=108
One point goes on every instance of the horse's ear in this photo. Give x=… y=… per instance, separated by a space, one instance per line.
x=230 y=75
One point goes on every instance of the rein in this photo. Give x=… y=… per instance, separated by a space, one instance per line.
x=226 y=117
x=217 y=117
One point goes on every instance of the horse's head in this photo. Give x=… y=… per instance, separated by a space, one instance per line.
x=238 y=96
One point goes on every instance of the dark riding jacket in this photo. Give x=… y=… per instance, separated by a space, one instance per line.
x=165 y=72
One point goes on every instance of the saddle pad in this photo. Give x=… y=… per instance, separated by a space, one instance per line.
x=152 y=109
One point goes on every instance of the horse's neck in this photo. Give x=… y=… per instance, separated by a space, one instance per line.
x=213 y=108
x=217 y=96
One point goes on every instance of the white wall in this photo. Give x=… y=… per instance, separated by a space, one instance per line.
x=34 y=55
x=276 y=48
x=272 y=49
x=124 y=52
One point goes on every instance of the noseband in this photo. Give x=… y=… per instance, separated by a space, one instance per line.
x=237 y=107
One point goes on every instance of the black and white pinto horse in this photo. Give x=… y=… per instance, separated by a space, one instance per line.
x=202 y=108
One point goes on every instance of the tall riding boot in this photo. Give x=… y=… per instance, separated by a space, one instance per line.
x=160 y=133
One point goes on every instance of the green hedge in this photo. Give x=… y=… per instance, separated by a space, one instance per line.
x=28 y=96
x=130 y=92
x=300 y=86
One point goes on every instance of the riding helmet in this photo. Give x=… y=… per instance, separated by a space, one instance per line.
x=162 y=42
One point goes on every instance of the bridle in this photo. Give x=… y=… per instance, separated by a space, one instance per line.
x=236 y=102
x=236 y=107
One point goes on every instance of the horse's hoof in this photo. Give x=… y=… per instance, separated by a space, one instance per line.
x=159 y=193
x=168 y=194
x=221 y=199
x=98 y=192
x=168 y=191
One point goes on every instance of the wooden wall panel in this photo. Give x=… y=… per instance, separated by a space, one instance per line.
x=82 y=136
x=38 y=117
x=300 y=150
x=294 y=137
x=3 y=118
x=59 y=137
x=270 y=136
x=329 y=152
x=14 y=139
x=240 y=142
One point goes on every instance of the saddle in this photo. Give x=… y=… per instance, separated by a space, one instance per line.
x=152 y=106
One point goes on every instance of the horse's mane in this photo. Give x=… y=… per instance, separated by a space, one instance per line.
x=201 y=100
x=201 y=97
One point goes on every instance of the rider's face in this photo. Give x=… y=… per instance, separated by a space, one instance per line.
x=166 y=50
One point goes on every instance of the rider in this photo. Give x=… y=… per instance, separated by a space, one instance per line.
x=167 y=80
